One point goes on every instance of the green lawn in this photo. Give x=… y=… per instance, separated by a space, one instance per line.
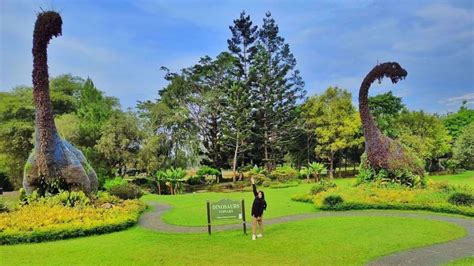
x=464 y=261
x=464 y=178
x=190 y=209
x=334 y=241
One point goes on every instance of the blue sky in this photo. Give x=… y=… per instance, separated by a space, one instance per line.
x=122 y=44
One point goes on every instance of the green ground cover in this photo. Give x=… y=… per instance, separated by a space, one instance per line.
x=335 y=241
x=468 y=261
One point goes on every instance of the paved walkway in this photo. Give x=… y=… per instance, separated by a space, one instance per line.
x=431 y=255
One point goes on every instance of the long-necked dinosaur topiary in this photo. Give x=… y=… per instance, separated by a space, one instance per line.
x=54 y=163
x=383 y=153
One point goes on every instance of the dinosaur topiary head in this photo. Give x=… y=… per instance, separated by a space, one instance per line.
x=391 y=70
x=48 y=25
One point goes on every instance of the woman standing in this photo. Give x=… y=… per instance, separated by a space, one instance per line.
x=258 y=206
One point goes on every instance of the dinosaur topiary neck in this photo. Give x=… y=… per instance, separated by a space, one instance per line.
x=45 y=129
x=369 y=127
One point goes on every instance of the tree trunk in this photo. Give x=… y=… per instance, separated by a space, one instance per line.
x=159 y=188
x=236 y=152
x=331 y=168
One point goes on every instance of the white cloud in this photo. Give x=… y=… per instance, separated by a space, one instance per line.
x=468 y=98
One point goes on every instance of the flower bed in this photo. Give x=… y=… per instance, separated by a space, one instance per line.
x=433 y=198
x=44 y=221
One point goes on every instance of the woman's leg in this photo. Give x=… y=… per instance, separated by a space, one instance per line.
x=260 y=224
x=254 y=225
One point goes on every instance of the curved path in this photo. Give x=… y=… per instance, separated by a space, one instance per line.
x=431 y=255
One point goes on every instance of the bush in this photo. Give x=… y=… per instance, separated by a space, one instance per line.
x=462 y=199
x=396 y=206
x=44 y=221
x=5 y=182
x=321 y=186
x=266 y=183
x=259 y=178
x=64 y=198
x=3 y=206
x=126 y=191
x=374 y=196
x=196 y=180
x=117 y=181
x=284 y=173
x=402 y=176
x=332 y=201
x=303 y=198
x=105 y=197
x=284 y=185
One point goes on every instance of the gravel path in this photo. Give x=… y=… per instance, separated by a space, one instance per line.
x=431 y=255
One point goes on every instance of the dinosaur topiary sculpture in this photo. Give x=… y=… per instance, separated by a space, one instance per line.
x=384 y=154
x=54 y=163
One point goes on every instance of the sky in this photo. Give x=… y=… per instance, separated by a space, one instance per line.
x=121 y=44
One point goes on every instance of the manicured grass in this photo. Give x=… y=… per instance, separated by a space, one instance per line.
x=464 y=261
x=464 y=178
x=190 y=209
x=324 y=241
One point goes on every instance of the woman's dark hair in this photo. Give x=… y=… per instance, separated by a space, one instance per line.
x=263 y=194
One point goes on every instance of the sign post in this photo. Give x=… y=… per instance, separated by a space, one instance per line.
x=226 y=209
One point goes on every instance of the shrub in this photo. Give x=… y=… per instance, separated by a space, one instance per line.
x=321 y=186
x=462 y=199
x=126 y=191
x=43 y=221
x=303 y=198
x=72 y=198
x=259 y=178
x=332 y=201
x=3 y=206
x=284 y=185
x=105 y=197
x=402 y=176
x=266 y=183
x=117 y=181
x=196 y=180
x=284 y=173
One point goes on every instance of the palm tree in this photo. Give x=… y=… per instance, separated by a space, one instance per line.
x=305 y=171
x=160 y=177
x=317 y=169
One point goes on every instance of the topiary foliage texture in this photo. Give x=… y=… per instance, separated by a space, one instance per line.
x=384 y=154
x=54 y=163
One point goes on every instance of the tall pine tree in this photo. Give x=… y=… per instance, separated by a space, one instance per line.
x=275 y=86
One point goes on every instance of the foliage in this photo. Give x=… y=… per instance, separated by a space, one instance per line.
x=382 y=196
x=284 y=173
x=259 y=178
x=403 y=175
x=332 y=201
x=64 y=198
x=5 y=182
x=317 y=169
x=275 y=87
x=45 y=221
x=456 y=122
x=462 y=199
x=209 y=171
x=426 y=135
x=3 y=206
x=463 y=150
x=335 y=122
x=120 y=140
x=321 y=186
x=386 y=109
x=117 y=181
x=126 y=191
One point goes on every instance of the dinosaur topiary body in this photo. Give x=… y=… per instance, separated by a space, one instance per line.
x=54 y=163
x=383 y=153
